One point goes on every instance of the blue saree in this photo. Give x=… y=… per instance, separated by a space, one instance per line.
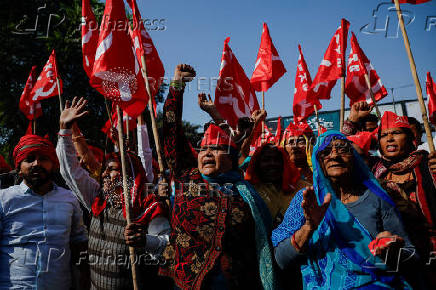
x=337 y=256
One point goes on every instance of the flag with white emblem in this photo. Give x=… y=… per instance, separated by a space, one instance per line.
x=90 y=33
x=46 y=84
x=234 y=96
x=332 y=66
x=355 y=85
x=30 y=109
x=303 y=105
x=269 y=67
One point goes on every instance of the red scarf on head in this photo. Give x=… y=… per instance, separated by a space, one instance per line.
x=290 y=172
x=34 y=144
x=144 y=207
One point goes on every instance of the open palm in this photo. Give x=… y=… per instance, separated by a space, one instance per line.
x=72 y=112
x=313 y=212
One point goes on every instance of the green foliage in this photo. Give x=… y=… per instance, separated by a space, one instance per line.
x=21 y=49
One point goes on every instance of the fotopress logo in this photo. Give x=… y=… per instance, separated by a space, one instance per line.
x=43 y=22
x=385 y=21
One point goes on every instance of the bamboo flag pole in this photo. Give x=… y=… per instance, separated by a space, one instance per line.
x=415 y=77
x=371 y=93
x=34 y=126
x=127 y=128
x=317 y=119
x=108 y=111
x=263 y=122
x=153 y=120
x=61 y=103
x=342 y=114
x=126 y=193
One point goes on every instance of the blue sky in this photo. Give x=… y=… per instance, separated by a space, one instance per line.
x=195 y=33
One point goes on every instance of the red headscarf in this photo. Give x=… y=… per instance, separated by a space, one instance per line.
x=214 y=135
x=299 y=129
x=392 y=120
x=363 y=140
x=290 y=172
x=34 y=144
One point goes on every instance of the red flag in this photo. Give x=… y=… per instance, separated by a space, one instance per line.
x=31 y=109
x=144 y=45
x=278 y=136
x=355 y=86
x=412 y=1
x=107 y=126
x=304 y=102
x=269 y=67
x=234 y=96
x=332 y=66
x=46 y=85
x=116 y=71
x=89 y=37
x=431 y=95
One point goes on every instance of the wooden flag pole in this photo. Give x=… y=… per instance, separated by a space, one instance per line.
x=371 y=93
x=342 y=113
x=415 y=77
x=34 y=126
x=317 y=119
x=61 y=103
x=127 y=129
x=108 y=111
x=263 y=122
x=153 y=120
x=126 y=193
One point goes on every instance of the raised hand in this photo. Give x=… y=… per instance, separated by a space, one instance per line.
x=72 y=112
x=184 y=72
x=206 y=103
x=359 y=110
x=258 y=116
x=314 y=213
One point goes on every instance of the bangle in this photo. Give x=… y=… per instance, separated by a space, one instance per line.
x=294 y=243
x=65 y=135
x=177 y=84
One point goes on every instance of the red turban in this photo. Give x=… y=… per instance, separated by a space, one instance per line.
x=392 y=120
x=34 y=144
x=214 y=135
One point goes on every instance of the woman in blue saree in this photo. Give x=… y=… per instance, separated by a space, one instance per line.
x=328 y=227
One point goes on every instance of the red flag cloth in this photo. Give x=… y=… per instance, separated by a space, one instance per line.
x=304 y=102
x=321 y=130
x=278 y=136
x=30 y=109
x=144 y=45
x=116 y=73
x=90 y=34
x=234 y=96
x=332 y=66
x=107 y=126
x=269 y=67
x=215 y=136
x=412 y=1
x=363 y=140
x=355 y=85
x=392 y=120
x=431 y=96
x=46 y=85
x=4 y=167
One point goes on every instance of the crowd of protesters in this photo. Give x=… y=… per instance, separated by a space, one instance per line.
x=350 y=209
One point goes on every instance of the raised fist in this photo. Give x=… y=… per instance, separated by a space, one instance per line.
x=184 y=72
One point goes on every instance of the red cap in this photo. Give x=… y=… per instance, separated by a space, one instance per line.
x=363 y=140
x=302 y=128
x=214 y=135
x=392 y=120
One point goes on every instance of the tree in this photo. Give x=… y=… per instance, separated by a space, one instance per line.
x=57 y=26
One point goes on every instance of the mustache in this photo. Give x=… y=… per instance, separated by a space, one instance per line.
x=38 y=169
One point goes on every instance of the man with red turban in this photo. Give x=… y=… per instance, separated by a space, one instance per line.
x=38 y=222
